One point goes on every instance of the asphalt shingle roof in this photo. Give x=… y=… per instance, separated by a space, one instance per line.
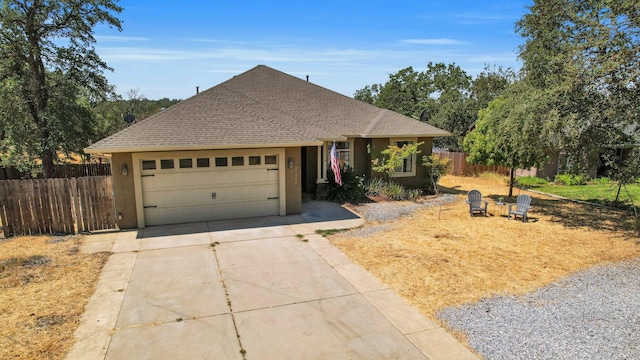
x=260 y=108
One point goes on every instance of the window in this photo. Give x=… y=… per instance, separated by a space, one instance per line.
x=270 y=160
x=202 y=162
x=186 y=163
x=344 y=154
x=254 y=160
x=221 y=161
x=148 y=164
x=409 y=163
x=166 y=164
x=237 y=161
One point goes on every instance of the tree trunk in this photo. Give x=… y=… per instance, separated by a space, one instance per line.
x=512 y=172
x=47 y=164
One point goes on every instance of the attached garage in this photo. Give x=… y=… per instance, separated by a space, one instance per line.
x=190 y=186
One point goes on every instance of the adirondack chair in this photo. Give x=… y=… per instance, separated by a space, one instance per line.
x=476 y=203
x=523 y=204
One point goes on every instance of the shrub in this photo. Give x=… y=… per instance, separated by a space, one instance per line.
x=375 y=187
x=530 y=181
x=395 y=191
x=352 y=189
x=601 y=181
x=570 y=179
x=436 y=168
x=413 y=194
x=391 y=190
x=393 y=157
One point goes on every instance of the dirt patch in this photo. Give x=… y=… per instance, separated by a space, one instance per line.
x=44 y=287
x=437 y=258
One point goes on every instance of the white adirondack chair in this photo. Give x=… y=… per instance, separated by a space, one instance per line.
x=476 y=203
x=523 y=204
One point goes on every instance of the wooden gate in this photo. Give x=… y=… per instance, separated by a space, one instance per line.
x=57 y=206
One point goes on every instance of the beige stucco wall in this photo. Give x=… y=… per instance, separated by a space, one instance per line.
x=361 y=162
x=418 y=181
x=293 y=180
x=124 y=191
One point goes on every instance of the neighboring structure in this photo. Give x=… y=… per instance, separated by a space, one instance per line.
x=249 y=147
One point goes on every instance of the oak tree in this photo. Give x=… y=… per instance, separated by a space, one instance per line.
x=48 y=70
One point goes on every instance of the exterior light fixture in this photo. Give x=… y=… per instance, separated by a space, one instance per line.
x=125 y=170
x=290 y=163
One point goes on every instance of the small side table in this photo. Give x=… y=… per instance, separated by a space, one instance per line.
x=502 y=207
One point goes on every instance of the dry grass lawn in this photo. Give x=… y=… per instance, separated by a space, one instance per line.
x=436 y=263
x=44 y=286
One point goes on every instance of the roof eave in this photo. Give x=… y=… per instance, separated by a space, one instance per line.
x=368 y=136
x=106 y=150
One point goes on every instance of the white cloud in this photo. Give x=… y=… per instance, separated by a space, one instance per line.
x=254 y=55
x=440 y=41
x=111 y=38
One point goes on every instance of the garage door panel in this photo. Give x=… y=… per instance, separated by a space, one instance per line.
x=183 y=180
x=210 y=195
x=205 y=212
x=224 y=192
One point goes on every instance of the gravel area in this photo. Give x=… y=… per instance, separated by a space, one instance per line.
x=386 y=211
x=391 y=210
x=593 y=314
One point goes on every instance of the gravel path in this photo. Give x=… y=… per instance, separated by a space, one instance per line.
x=594 y=314
x=386 y=211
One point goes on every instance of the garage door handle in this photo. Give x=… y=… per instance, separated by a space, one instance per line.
x=147 y=175
x=272 y=169
x=151 y=206
x=273 y=198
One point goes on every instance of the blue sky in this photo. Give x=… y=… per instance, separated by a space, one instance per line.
x=167 y=48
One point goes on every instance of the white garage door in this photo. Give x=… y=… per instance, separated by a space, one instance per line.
x=208 y=186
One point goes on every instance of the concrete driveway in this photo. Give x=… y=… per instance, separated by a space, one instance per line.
x=262 y=288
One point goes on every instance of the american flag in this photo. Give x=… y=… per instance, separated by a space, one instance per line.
x=335 y=165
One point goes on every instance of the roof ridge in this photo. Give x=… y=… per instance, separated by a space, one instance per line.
x=374 y=122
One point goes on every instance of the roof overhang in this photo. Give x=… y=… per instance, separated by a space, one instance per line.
x=404 y=135
x=197 y=148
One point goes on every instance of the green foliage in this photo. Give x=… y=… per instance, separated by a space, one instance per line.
x=599 y=194
x=393 y=158
x=571 y=179
x=110 y=113
x=368 y=94
x=351 y=190
x=329 y=232
x=436 y=168
x=51 y=74
x=601 y=181
x=375 y=187
x=509 y=131
x=530 y=182
x=443 y=95
x=395 y=191
x=391 y=190
x=584 y=55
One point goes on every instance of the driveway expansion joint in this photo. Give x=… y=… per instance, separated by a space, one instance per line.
x=226 y=293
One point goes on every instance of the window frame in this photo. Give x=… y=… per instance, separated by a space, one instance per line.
x=349 y=151
x=395 y=141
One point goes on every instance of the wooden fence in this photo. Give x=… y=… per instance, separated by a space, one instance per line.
x=51 y=206
x=60 y=171
x=458 y=165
